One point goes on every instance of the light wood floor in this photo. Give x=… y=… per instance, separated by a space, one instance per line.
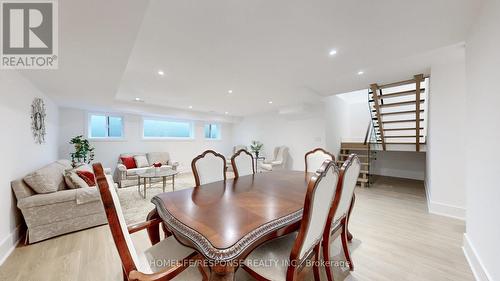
x=395 y=239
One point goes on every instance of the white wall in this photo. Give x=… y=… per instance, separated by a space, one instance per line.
x=482 y=243
x=74 y=122
x=399 y=164
x=445 y=181
x=20 y=154
x=300 y=133
x=336 y=116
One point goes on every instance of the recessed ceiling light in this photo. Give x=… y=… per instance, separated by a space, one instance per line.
x=190 y=107
x=270 y=102
x=226 y=113
x=361 y=72
x=332 y=52
x=138 y=100
x=230 y=91
x=161 y=73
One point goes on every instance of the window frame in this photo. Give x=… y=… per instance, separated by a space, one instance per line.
x=107 y=115
x=191 y=126
x=219 y=137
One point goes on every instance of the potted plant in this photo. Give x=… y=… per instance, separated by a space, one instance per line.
x=256 y=147
x=84 y=152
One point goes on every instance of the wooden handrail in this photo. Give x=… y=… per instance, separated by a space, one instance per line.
x=367 y=132
x=375 y=89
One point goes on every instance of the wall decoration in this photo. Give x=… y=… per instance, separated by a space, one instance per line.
x=38 y=120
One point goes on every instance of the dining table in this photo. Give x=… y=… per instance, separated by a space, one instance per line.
x=226 y=220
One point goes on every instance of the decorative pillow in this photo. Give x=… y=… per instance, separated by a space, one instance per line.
x=87 y=176
x=47 y=179
x=141 y=161
x=129 y=162
x=73 y=180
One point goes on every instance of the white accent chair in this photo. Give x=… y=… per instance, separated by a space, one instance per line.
x=236 y=148
x=338 y=224
x=153 y=263
x=242 y=163
x=280 y=157
x=292 y=250
x=315 y=158
x=208 y=167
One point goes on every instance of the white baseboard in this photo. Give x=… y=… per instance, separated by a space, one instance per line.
x=477 y=267
x=9 y=243
x=443 y=209
x=446 y=210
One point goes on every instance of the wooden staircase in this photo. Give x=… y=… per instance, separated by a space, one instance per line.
x=399 y=111
x=364 y=154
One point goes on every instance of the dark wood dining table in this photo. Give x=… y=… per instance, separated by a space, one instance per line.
x=226 y=220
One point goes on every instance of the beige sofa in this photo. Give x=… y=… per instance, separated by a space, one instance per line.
x=128 y=177
x=63 y=211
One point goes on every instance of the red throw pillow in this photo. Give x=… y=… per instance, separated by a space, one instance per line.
x=87 y=176
x=129 y=162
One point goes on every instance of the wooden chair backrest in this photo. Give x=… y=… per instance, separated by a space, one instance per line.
x=321 y=191
x=243 y=158
x=311 y=157
x=209 y=166
x=116 y=221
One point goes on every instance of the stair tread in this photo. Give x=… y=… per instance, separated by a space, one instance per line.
x=401 y=129
x=342 y=161
x=401 y=121
x=400 y=112
x=400 y=103
x=362 y=180
x=401 y=136
x=359 y=155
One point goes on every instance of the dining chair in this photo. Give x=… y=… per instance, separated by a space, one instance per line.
x=208 y=167
x=315 y=158
x=292 y=251
x=242 y=163
x=337 y=225
x=155 y=262
x=280 y=156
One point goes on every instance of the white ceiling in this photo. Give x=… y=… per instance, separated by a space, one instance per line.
x=277 y=50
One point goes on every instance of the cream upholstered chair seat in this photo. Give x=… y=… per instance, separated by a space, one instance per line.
x=277 y=251
x=157 y=257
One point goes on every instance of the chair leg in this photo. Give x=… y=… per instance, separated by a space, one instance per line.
x=316 y=266
x=345 y=246
x=349 y=235
x=153 y=231
x=326 y=257
x=124 y=275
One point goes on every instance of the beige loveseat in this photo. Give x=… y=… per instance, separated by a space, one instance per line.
x=63 y=211
x=128 y=177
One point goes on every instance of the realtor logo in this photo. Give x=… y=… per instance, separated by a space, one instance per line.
x=29 y=35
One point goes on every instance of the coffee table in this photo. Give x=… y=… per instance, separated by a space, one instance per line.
x=154 y=174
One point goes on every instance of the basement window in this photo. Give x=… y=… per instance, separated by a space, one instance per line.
x=102 y=126
x=212 y=131
x=167 y=129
